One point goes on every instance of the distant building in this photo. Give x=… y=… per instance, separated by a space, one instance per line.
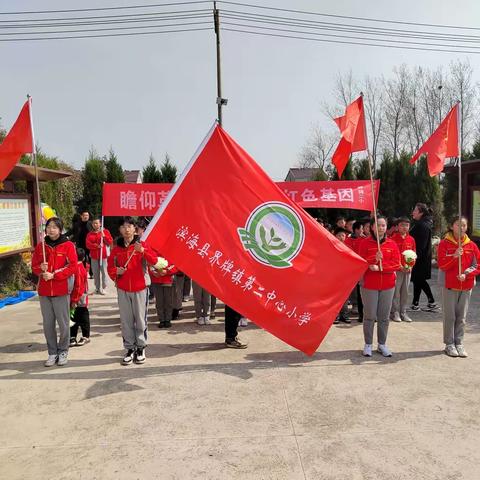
x=301 y=174
x=133 y=176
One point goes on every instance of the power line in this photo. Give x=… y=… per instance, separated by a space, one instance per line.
x=344 y=26
x=347 y=42
x=112 y=17
x=110 y=28
x=351 y=37
x=364 y=19
x=73 y=10
x=102 y=36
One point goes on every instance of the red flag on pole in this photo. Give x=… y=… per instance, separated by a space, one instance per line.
x=443 y=143
x=18 y=141
x=231 y=229
x=354 y=138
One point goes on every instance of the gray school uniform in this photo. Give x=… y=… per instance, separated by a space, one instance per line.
x=400 y=296
x=376 y=307
x=133 y=308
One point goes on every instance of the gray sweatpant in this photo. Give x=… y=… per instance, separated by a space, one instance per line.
x=133 y=317
x=400 y=297
x=56 y=310
x=376 y=306
x=99 y=274
x=201 y=299
x=178 y=281
x=455 y=309
x=163 y=301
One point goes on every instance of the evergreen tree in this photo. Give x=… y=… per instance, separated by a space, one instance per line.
x=93 y=176
x=150 y=173
x=361 y=170
x=168 y=171
x=113 y=169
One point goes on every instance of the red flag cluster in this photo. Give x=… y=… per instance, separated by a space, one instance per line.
x=18 y=141
x=354 y=138
x=442 y=144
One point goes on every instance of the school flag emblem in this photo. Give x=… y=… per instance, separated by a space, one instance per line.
x=273 y=234
x=229 y=227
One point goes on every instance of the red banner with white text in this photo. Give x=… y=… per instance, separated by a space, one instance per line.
x=143 y=199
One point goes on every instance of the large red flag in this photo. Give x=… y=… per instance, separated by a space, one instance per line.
x=18 y=141
x=352 y=129
x=442 y=144
x=231 y=229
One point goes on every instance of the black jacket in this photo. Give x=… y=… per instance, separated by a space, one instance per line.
x=422 y=233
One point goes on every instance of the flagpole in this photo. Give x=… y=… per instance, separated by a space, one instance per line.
x=459 y=123
x=372 y=186
x=37 y=182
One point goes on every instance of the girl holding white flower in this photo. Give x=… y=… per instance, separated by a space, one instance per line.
x=378 y=285
x=460 y=260
x=406 y=246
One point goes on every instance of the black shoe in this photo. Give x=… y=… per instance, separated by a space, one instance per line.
x=212 y=316
x=161 y=325
x=140 y=355
x=235 y=343
x=128 y=357
x=345 y=319
x=336 y=321
x=168 y=324
x=415 y=307
x=360 y=319
x=175 y=313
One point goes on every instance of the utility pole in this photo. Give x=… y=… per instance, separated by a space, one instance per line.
x=220 y=101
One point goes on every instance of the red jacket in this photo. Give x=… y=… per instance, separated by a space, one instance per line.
x=61 y=257
x=167 y=279
x=407 y=243
x=353 y=243
x=449 y=264
x=79 y=293
x=93 y=242
x=385 y=279
x=133 y=280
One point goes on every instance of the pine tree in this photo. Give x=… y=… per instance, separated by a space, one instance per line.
x=150 y=173
x=113 y=169
x=93 y=176
x=168 y=171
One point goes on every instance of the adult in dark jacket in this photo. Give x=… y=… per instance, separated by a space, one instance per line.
x=422 y=270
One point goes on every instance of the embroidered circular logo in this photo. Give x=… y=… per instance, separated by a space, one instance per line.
x=273 y=235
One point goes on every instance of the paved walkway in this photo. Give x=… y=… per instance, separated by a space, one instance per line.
x=198 y=411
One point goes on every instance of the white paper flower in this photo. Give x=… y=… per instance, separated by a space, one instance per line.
x=409 y=255
x=161 y=264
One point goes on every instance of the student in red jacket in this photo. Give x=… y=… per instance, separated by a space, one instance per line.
x=457 y=288
x=378 y=285
x=127 y=267
x=404 y=242
x=162 y=285
x=97 y=242
x=55 y=283
x=79 y=303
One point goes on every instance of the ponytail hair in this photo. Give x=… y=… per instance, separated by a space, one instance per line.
x=424 y=210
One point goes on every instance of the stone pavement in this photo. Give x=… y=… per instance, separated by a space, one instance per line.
x=196 y=410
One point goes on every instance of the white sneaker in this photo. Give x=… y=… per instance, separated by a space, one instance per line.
x=243 y=322
x=383 y=349
x=51 y=361
x=207 y=320
x=451 y=350
x=102 y=292
x=406 y=318
x=201 y=320
x=461 y=351
x=62 y=359
x=396 y=317
x=367 y=350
